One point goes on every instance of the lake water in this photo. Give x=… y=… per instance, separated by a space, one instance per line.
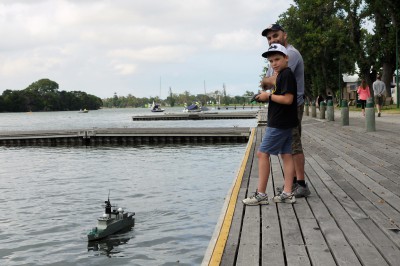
x=50 y=197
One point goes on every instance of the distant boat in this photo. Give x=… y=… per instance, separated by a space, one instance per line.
x=83 y=111
x=195 y=107
x=155 y=107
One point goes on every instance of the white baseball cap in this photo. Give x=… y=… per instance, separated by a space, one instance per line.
x=274 y=48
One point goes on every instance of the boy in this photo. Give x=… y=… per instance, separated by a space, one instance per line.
x=282 y=117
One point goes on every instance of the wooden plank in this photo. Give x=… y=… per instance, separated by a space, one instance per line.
x=232 y=243
x=318 y=249
x=365 y=250
x=271 y=246
x=250 y=239
x=334 y=236
x=386 y=247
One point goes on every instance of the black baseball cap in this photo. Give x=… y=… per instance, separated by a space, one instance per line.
x=273 y=27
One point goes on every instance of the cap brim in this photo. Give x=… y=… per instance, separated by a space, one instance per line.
x=265 y=32
x=265 y=55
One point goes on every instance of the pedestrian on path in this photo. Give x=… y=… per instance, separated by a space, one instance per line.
x=276 y=34
x=379 y=90
x=282 y=118
x=363 y=95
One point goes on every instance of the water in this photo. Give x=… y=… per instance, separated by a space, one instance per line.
x=106 y=118
x=50 y=197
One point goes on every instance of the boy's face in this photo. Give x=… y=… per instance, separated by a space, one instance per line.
x=277 y=37
x=278 y=62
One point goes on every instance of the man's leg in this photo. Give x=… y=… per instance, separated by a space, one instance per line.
x=299 y=162
x=300 y=187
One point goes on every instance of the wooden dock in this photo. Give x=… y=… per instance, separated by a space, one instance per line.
x=197 y=116
x=126 y=136
x=351 y=218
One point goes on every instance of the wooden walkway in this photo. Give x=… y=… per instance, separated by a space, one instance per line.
x=351 y=218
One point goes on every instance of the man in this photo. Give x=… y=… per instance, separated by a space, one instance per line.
x=276 y=34
x=379 y=90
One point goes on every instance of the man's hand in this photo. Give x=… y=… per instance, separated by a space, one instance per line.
x=268 y=82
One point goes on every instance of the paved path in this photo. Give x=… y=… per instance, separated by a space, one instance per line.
x=351 y=218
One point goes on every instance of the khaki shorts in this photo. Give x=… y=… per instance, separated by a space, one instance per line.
x=378 y=100
x=296 y=132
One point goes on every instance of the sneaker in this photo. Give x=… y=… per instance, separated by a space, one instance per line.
x=285 y=198
x=379 y=114
x=302 y=191
x=279 y=190
x=256 y=199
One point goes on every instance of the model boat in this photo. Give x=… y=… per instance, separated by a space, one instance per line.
x=112 y=221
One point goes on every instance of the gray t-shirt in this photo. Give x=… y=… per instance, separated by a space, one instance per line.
x=296 y=64
x=379 y=87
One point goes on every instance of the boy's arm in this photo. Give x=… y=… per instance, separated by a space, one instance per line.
x=286 y=98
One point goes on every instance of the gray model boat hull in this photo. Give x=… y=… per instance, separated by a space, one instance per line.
x=112 y=228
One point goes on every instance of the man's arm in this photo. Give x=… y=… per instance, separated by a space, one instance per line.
x=268 y=83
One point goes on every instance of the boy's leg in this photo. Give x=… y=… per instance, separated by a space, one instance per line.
x=263 y=171
x=260 y=196
x=288 y=170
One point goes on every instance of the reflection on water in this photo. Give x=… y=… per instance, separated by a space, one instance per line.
x=49 y=195
x=109 y=245
x=51 y=198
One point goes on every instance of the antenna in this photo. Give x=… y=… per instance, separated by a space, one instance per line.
x=109 y=195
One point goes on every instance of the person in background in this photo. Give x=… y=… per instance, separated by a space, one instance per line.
x=363 y=95
x=379 y=89
x=320 y=99
x=276 y=34
x=329 y=97
x=282 y=118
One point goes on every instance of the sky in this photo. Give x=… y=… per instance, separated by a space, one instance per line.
x=138 y=47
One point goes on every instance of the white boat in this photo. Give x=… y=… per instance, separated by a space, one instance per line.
x=84 y=111
x=112 y=221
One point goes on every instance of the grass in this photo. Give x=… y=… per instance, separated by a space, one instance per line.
x=388 y=109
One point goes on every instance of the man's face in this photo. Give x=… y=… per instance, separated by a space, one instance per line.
x=276 y=37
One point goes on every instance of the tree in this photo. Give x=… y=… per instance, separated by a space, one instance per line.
x=322 y=41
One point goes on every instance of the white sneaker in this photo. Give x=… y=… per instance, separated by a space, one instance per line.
x=285 y=198
x=256 y=199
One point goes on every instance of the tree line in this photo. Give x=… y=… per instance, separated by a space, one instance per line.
x=179 y=99
x=43 y=95
x=333 y=39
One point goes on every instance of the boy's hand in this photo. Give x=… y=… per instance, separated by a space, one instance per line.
x=261 y=97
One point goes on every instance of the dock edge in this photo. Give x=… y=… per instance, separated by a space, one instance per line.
x=218 y=240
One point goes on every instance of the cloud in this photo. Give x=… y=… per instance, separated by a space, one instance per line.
x=91 y=44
